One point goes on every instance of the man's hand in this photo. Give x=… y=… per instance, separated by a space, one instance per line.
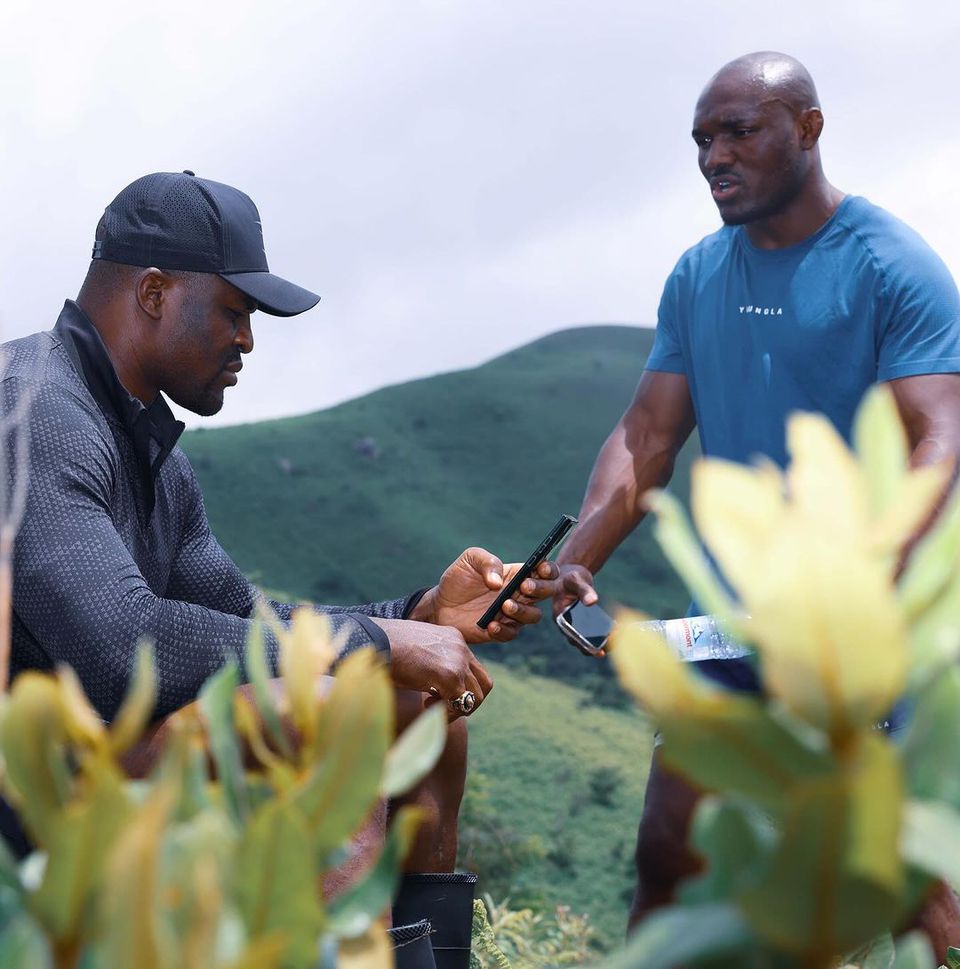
x=435 y=660
x=575 y=585
x=471 y=583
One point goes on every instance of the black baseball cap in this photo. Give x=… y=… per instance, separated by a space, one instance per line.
x=174 y=220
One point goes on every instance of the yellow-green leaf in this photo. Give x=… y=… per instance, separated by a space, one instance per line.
x=34 y=738
x=306 y=654
x=370 y=951
x=260 y=680
x=651 y=671
x=216 y=702
x=415 y=752
x=275 y=881
x=737 y=511
x=82 y=722
x=195 y=858
x=282 y=774
x=721 y=740
x=138 y=705
x=931 y=838
x=881 y=445
x=138 y=935
x=686 y=555
x=355 y=727
x=78 y=846
x=818 y=609
x=835 y=878
x=825 y=483
x=353 y=912
x=933 y=562
x=263 y=953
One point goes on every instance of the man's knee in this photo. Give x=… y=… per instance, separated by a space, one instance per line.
x=445 y=783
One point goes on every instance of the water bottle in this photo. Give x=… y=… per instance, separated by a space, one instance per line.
x=697 y=638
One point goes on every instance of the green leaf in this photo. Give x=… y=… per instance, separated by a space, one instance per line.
x=935 y=638
x=414 y=754
x=354 y=727
x=78 y=848
x=931 y=838
x=735 y=842
x=932 y=742
x=33 y=738
x=275 y=882
x=352 y=913
x=737 y=747
x=835 y=878
x=259 y=674
x=673 y=936
x=216 y=702
x=194 y=860
x=23 y=944
x=914 y=952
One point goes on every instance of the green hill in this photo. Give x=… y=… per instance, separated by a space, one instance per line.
x=372 y=498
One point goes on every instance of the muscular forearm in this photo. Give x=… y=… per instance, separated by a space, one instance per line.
x=929 y=406
x=613 y=505
x=932 y=450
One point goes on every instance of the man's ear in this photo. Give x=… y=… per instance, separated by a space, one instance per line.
x=810 y=124
x=152 y=286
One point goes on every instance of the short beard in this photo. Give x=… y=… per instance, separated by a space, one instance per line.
x=791 y=187
x=207 y=403
x=207 y=400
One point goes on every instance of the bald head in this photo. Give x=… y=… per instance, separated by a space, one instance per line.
x=768 y=76
x=757 y=127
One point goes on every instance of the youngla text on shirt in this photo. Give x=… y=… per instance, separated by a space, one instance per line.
x=763 y=310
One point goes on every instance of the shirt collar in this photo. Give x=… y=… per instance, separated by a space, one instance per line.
x=154 y=429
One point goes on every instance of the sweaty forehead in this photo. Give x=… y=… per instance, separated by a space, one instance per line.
x=723 y=104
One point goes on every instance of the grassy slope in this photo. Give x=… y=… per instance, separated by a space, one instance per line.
x=487 y=456
x=537 y=743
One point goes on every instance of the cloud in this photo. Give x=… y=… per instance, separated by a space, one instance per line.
x=455 y=178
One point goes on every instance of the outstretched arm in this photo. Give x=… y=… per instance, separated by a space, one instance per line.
x=929 y=405
x=638 y=455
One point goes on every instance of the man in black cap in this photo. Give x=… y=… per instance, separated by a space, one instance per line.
x=115 y=544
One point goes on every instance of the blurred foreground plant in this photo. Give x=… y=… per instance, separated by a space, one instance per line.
x=183 y=871
x=821 y=833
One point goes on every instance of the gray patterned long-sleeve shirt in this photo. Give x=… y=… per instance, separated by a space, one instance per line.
x=115 y=543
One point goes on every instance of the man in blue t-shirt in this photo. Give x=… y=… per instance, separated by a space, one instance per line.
x=803 y=299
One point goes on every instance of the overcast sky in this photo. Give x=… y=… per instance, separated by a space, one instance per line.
x=455 y=178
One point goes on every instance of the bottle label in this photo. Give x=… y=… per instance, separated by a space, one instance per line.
x=698 y=638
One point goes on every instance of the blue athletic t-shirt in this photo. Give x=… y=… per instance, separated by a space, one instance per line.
x=760 y=333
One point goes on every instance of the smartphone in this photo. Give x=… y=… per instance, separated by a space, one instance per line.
x=587 y=627
x=550 y=541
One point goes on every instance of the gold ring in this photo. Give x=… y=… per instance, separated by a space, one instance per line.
x=465 y=702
